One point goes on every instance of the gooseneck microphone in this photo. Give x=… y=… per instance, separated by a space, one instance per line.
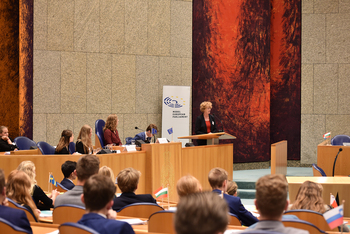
x=140 y=129
x=222 y=125
x=335 y=160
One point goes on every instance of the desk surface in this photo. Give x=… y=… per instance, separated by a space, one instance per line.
x=320 y=180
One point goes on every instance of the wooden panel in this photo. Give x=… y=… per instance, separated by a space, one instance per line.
x=334 y=185
x=279 y=158
x=26 y=152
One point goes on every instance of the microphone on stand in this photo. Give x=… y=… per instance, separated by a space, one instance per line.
x=140 y=129
x=335 y=160
x=222 y=125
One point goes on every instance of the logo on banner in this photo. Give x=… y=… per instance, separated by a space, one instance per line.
x=173 y=103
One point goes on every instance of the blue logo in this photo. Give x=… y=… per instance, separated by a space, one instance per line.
x=171 y=102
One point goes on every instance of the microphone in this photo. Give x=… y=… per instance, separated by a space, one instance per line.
x=222 y=125
x=335 y=160
x=140 y=129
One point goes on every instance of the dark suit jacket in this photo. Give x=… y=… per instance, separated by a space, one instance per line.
x=201 y=127
x=139 y=136
x=67 y=184
x=4 y=146
x=105 y=226
x=236 y=207
x=16 y=217
x=130 y=198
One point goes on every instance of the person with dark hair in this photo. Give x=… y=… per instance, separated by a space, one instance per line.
x=128 y=180
x=87 y=166
x=218 y=181
x=201 y=213
x=145 y=136
x=15 y=216
x=110 y=132
x=5 y=141
x=63 y=145
x=68 y=168
x=98 y=196
x=205 y=123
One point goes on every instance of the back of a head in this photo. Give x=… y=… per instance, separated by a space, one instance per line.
x=87 y=166
x=18 y=185
x=29 y=168
x=201 y=213
x=188 y=184
x=216 y=177
x=271 y=195
x=107 y=171
x=98 y=191
x=231 y=187
x=68 y=167
x=128 y=180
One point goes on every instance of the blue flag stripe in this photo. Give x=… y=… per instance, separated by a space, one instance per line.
x=334 y=217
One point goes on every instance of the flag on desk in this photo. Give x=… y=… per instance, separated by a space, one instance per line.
x=52 y=180
x=334 y=217
x=333 y=201
x=154 y=131
x=161 y=193
x=170 y=131
x=327 y=135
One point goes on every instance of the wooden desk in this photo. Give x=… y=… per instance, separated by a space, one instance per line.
x=334 y=185
x=43 y=228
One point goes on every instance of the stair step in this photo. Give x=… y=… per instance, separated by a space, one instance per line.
x=245 y=184
x=246 y=193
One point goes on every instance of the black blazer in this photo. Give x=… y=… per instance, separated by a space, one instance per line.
x=130 y=198
x=67 y=184
x=201 y=127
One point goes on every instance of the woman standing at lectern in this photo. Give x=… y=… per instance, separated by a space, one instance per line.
x=205 y=123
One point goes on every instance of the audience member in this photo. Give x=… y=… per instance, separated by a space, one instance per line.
x=15 y=216
x=110 y=132
x=98 y=199
x=231 y=188
x=271 y=201
x=42 y=201
x=107 y=171
x=63 y=145
x=218 y=181
x=68 y=168
x=84 y=143
x=187 y=185
x=5 y=141
x=18 y=189
x=201 y=213
x=87 y=166
x=145 y=136
x=128 y=180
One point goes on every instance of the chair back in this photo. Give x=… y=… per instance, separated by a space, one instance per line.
x=9 y=228
x=76 y=228
x=318 y=171
x=71 y=147
x=301 y=224
x=24 y=143
x=45 y=148
x=233 y=220
x=340 y=139
x=140 y=210
x=311 y=216
x=67 y=213
x=162 y=222
x=15 y=205
x=99 y=124
x=61 y=188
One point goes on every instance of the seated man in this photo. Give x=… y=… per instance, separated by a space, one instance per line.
x=200 y=213
x=271 y=201
x=128 y=180
x=87 y=166
x=5 y=141
x=145 y=136
x=98 y=196
x=15 y=216
x=218 y=181
x=68 y=168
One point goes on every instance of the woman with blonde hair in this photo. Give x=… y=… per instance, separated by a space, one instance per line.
x=42 y=201
x=63 y=145
x=107 y=171
x=84 y=143
x=110 y=132
x=18 y=189
x=205 y=123
x=187 y=185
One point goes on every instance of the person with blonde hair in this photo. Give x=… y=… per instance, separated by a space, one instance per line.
x=84 y=143
x=128 y=180
x=187 y=185
x=42 y=201
x=205 y=123
x=231 y=188
x=107 y=171
x=18 y=189
x=63 y=145
x=110 y=132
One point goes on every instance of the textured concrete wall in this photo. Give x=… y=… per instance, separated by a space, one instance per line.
x=325 y=99
x=93 y=58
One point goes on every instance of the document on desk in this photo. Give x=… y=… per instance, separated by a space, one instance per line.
x=45 y=213
x=133 y=221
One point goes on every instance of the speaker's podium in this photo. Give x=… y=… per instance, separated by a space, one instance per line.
x=212 y=138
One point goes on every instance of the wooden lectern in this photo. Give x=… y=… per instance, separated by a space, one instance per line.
x=212 y=138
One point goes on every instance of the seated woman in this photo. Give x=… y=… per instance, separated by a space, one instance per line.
x=84 y=143
x=145 y=136
x=187 y=185
x=110 y=132
x=42 y=201
x=18 y=189
x=63 y=145
x=231 y=188
x=5 y=140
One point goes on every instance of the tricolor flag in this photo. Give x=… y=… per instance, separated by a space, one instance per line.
x=52 y=180
x=170 y=131
x=333 y=201
x=327 y=135
x=161 y=193
x=154 y=131
x=334 y=217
